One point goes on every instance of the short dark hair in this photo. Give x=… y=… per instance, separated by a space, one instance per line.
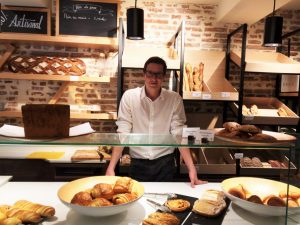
x=156 y=60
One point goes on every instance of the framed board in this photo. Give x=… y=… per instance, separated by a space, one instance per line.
x=25 y=20
x=87 y=18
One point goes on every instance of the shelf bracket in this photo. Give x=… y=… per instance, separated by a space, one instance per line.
x=9 y=51
x=60 y=91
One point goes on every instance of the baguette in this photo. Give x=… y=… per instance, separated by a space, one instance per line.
x=25 y=216
x=42 y=210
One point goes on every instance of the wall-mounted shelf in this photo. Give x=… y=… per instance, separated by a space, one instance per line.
x=92 y=116
x=215 y=85
x=266 y=62
x=130 y=59
x=72 y=41
x=21 y=76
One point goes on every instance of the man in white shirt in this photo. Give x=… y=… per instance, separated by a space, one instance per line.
x=152 y=109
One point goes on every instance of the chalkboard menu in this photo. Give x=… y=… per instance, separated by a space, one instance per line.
x=87 y=18
x=25 y=20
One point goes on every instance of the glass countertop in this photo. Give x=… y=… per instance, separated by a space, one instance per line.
x=167 y=140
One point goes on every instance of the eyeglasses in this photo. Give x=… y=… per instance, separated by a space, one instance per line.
x=150 y=74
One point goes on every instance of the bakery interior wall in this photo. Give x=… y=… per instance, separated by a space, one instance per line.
x=162 y=19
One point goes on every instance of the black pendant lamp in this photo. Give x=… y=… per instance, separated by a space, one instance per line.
x=273 y=30
x=135 y=23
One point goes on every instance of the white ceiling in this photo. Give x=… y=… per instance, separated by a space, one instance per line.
x=242 y=11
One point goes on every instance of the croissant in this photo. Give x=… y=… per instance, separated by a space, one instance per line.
x=4 y=208
x=123 y=185
x=10 y=221
x=82 y=198
x=42 y=210
x=100 y=202
x=102 y=191
x=123 y=198
x=2 y=216
x=238 y=191
x=273 y=200
x=24 y=215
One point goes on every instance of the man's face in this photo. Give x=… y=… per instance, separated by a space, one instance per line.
x=154 y=76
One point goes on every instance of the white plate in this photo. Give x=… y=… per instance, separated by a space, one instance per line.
x=67 y=191
x=262 y=188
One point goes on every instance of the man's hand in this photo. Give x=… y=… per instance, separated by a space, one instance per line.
x=194 y=179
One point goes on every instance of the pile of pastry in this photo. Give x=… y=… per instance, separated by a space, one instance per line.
x=234 y=130
x=282 y=199
x=255 y=162
x=210 y=204
x=103 y=194
x=24 y=211
x=253 y=110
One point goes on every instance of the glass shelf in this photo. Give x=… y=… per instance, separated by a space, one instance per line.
x=167 y=140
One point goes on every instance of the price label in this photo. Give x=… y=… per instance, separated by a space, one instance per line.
x=225 y=94
x=206 y=96
x=74 y=78
x=196 y=94
x=249 y=118
x=238 y=155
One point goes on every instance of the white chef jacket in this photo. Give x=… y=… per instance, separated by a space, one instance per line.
x=139 y=114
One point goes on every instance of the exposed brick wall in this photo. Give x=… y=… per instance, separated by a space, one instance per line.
x=162 y=19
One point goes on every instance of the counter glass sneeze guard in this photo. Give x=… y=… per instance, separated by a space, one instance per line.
x=116 y=139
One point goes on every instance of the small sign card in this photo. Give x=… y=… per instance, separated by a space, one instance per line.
x=191 y=131
x=208 y=134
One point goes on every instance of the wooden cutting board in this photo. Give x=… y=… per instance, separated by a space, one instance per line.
x=45 y=155
x=85 y=155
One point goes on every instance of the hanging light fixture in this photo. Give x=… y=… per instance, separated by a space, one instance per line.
x=273 y=30
x=135 y=23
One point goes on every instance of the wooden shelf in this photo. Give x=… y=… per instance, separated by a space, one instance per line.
x=266 y=62
x=21 y=76
x=131 y=60
x=92 y=116
x=289 y=94
x=72 y=41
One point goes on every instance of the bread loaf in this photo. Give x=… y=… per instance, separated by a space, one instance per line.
x=10 y=221
x=42 y=210
x=47 y=65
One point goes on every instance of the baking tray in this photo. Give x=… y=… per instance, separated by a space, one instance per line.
x=191 y=218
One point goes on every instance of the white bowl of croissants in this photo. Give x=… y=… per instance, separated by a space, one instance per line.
x=101 y=195
x=262 y=196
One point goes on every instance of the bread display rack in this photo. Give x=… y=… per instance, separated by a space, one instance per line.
x=215 y=85
x=254 y=61
x=11 y=39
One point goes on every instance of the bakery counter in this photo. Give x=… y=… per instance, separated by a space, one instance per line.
x=35 y=191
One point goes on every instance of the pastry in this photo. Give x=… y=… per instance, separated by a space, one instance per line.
x=255 y=199
x=273 y=200
x=123 y=198
x=245 y=110
x=123 y=185
x=102 y=191
x=42 y=210
x=82 y=198
x=256 y=162
x=262 y=137
x=254 y=110
x=11 y=221
x=274 y=163
x=238 y=191
x=249 y=129
x=213 y=195
x=281 y=112
x=290 y=202
x=161 y=218
x=98 y=202
x=178 y=205
x=4 y=208
x=208 y=208
x=246 y=162
x=24 y=215
x=231 y=126
x=292 y=194
x=2 y=216
x=46 y=65
x=188 y=78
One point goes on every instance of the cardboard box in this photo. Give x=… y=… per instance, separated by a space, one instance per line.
x=267 y=112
